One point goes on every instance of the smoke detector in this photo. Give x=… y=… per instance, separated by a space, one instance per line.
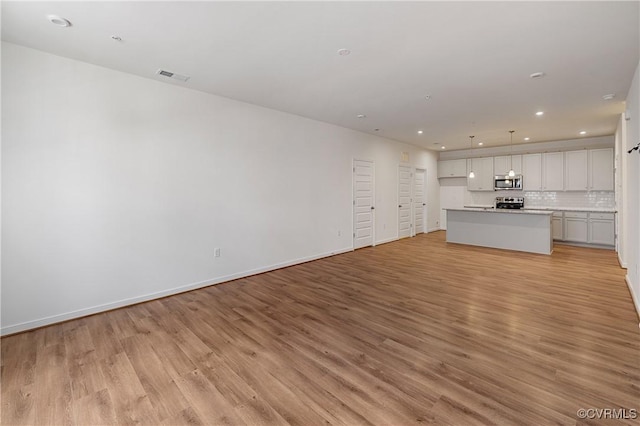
x=173 y=75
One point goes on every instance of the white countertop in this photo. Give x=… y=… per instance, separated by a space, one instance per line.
x=507 y=211
x=575 y=209
x=555 y=209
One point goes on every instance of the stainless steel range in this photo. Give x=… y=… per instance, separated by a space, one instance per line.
x=509 y=202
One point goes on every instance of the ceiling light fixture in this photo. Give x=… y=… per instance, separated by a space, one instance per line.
x=471 y=174
x=512 y=173
x=480 y=143
x=361 y=116
x=527 y=139
x=57 y=20
x=428 y=97
x=420 y=132
x=537 y=75
x=609 y=96
x=344 y=52
x=583 y=132
x=116 y=38
x=442 y=147
x=539 y=113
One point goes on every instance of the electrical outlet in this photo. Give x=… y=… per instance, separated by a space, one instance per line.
x=216 y=252
x=437 y=222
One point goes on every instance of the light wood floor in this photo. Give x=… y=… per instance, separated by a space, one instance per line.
x=413 y=331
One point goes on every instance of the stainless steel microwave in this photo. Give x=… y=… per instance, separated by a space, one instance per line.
x=505 y=182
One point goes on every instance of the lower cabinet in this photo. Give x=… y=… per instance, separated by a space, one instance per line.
x=576 y=227
x=602 y=228
x=582 y=227
x=557 y=226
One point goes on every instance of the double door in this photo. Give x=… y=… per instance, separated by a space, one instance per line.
x=412 y=201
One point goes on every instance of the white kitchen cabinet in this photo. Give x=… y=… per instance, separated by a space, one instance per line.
x=557 y=226
x=576 y=227
x=602 y=229
x=532 y=172
x=452 y=168
x=502 y=164
x=576 y=170
x=553 y=171
x=601 y=169
x=483 y=171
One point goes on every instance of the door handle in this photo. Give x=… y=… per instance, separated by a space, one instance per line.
x=399 y=206
x=423 y=204
x=373 y=208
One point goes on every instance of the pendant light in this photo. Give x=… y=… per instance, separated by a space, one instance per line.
x=511 y=172
x=471 y=174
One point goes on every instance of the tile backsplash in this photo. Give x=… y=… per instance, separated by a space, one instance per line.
x=598 y=199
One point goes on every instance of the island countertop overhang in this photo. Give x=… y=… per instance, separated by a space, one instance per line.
x=506 y=211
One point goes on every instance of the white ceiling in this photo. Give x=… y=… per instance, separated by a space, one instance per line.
x=473 y=58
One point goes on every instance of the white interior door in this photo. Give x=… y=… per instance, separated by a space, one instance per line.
x=363 y=209
x=404 y=202
x=419 y=201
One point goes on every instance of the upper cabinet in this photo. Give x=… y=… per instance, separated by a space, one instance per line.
x=581 y=170
x=576 y=167
x=601 y=169
x=452 y=168
x=532 y=172
x=483 y=170
x=504 y=163
x=553 y=171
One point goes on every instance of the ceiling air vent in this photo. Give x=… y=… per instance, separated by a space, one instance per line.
x=170 y=74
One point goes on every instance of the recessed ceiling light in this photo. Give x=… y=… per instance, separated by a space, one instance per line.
x=539 y=113
x=116 y=38
x=361 y=116
x=56 y=20
x=537 y=75
x=420 y=132
x=343 y=52
x=442 y=147
x=526 y=139
x=583 y=132
x=376 y=130
x=428 y=97
x=480 y=143
x=609 y=96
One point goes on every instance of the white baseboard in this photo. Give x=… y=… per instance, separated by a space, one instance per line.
x=29 y=325
x=388 y=240
x=635 y=297
x=434 y=229
x=622 y=263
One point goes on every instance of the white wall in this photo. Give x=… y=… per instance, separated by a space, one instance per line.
x=116 y=188
x=631 y=180
x=621 y=159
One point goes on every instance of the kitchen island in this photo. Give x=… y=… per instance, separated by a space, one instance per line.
x=520 y=230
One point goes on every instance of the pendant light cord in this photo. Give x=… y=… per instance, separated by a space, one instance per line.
x=511 y=171
x=471 y=173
